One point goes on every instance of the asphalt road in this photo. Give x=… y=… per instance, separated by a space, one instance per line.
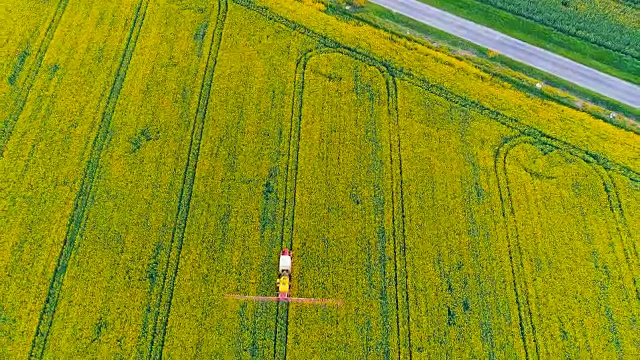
x=559 y=66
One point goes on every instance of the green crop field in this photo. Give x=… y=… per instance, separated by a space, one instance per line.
x=611 y=24
x=602 y=34
x=158 y=154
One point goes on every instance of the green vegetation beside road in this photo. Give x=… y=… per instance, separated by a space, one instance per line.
x=610 y=44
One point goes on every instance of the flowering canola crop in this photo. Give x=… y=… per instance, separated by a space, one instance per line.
x=164 y=157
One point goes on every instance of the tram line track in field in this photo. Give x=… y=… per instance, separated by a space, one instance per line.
x=395 y=118
x=296 y=104
x=77 y=217
x=32 y=73
x=608 y=186
x=289 y=210
x=613 y=198
x=507 y=214
x=162 y=307
x=392 y=101
x=440 y=91
x=286 y=233
x=392 y=74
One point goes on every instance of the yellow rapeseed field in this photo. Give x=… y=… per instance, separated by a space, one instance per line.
x=158 y=154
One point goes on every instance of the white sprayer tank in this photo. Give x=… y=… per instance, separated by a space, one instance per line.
x=285 y=263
